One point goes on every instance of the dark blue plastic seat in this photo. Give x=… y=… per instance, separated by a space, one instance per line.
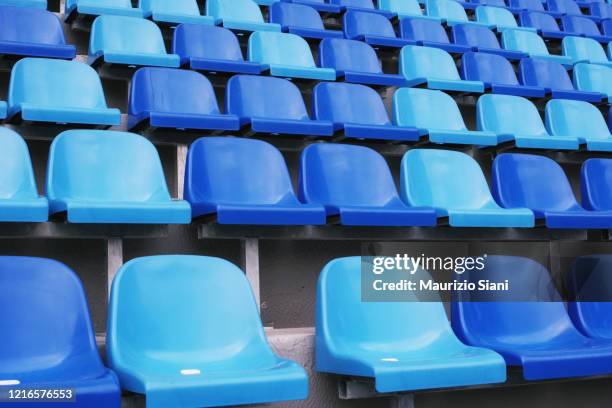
x=545 y=23
x=540 y=184
x=601 y=9
x=430 y=33
x=33 y=32
x=301 y=20
x=156 y=99
x=583 y=26
x=355 y=61
x=531 y=5
x=271 y=105
x=527 y=324
x=47 y=337
x=482 y=39
x=374 y=29
x=565 y=7
x=355 y=184
x=319 y=5
x=595 y=184
x=214 y=49
x=497 y=74
x=244 y=181
x=554 y=78
x=361 y=5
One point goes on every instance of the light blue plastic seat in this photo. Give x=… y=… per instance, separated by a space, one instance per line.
x=593 y=78
x=403 y=8
x=497 y=17
x=356 y=338
x=581 y=49
x=482 y=39
x=437 y=115
x=453 y=183
x=19 y=199
x=354 y=184
x=301 y=20
x=242 y=15
x=156 y=101
x=595 y=184
x=41 y=4
x=528 y=324
x=244 y=181
x=174 y=12
x=434 y=68
x=531 y=44
x=97 y=176
x=286 y=55
x=540 y=184
x=271 y=105
x=185 y=331
x=47 y=337
x=583 y=26
x=128 y=41
x=374 y=29
x=51 y=90
x=75 y=8
x=519 y=118
x=449 y=11
x=578 y=119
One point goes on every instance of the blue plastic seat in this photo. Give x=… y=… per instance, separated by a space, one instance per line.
x=75 y=8
x=593 y=78
x=374 y=29
x=453 y=183
x=497 y=74
x=156 y=100
x=531 y=44
x=430 y=33
x=174 y=12
x=601 y=10
x=40 y=296
x=357 y=111
x=554 y=78
x=581 y=49
x=51 y=90
x=362 y=5
x=437 y=115
x=583 y=26
x=482 y=39
x=354 y=183
x=356 y=338
x=286 y=55
x=531 y=5
x=402 y=8
x=128 y=41
x=569 y=7
x=545 y=24
x=41 y=4
x=435 y=68
x=319 y=5
x=301 y=20
x=214 y=49
x=19 y=199
x=595 y=184
x=606 y=27
x=242 y=15
x=33 y=32
x=97 y=176
x=203 y=345
x=519 y=119
x=533 y=332
x=540 y=184
x=580 y=120
x=271 y=105
x=497 y=17
x=449 y=11
x=355 y=61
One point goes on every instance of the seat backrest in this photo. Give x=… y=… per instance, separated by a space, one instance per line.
x=348 y=55
x=564 y=7
x=601 y=10
x=250 y=96
x=269 y=47
x=446 y=9
x=48 y=325
x=183 y=306
x=525 y=41
x=339 y=102
x=426 y=109
x=207 y=42
x=443 y=179
x=358 y=23
x=366 y=4
x=17 y=181
x=593 y=78
x=583 y=49
x=539 y=20
x=295 y=15
x=155 y=90
x=125 y=35
x=30 y=25
x=544 y=73
x=474 y=35
x=595 y=182
x=498 y=16
x=420 y=29
x=488 y=68
x=509 y=115
x=580 y=25
x=576 y=118
x=401 y=7
x=228 y=170
x=183 y=7
x=239 y=10
x=606 y=27
x=530 y=181
x=58 y=83
x=105 y=166
x=534 y=5
x=345 y=175
x=427 y=62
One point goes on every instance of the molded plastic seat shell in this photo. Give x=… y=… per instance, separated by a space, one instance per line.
x=500 y=18
x=374 y=29
x=583 y=26
x=543 y=22
x=531 y=44
x=41 y=4
x=301 y=20
x=98 y=176
x=449 y=11
x=581 y=49
x=430 y=33
x=101 y=7
x=482 y=39
x=593 y=78
x=242 y=15
x=402 y=8
x=601 y=10
x=319 y=5
x=174 y=12
x=595 y=184
x=569 y=7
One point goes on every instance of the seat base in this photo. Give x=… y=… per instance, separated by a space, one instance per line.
x=62 y=51
x=388 y=217
x=546 y=142
x=238 y=67
x=34 y=210
x=299 y=214
x=292 y=127
x=186 y=121
x=490 y=217
x=95 y=212
x=34 y=113
x=578 y=219
x=325 y=74
x=360 y=131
